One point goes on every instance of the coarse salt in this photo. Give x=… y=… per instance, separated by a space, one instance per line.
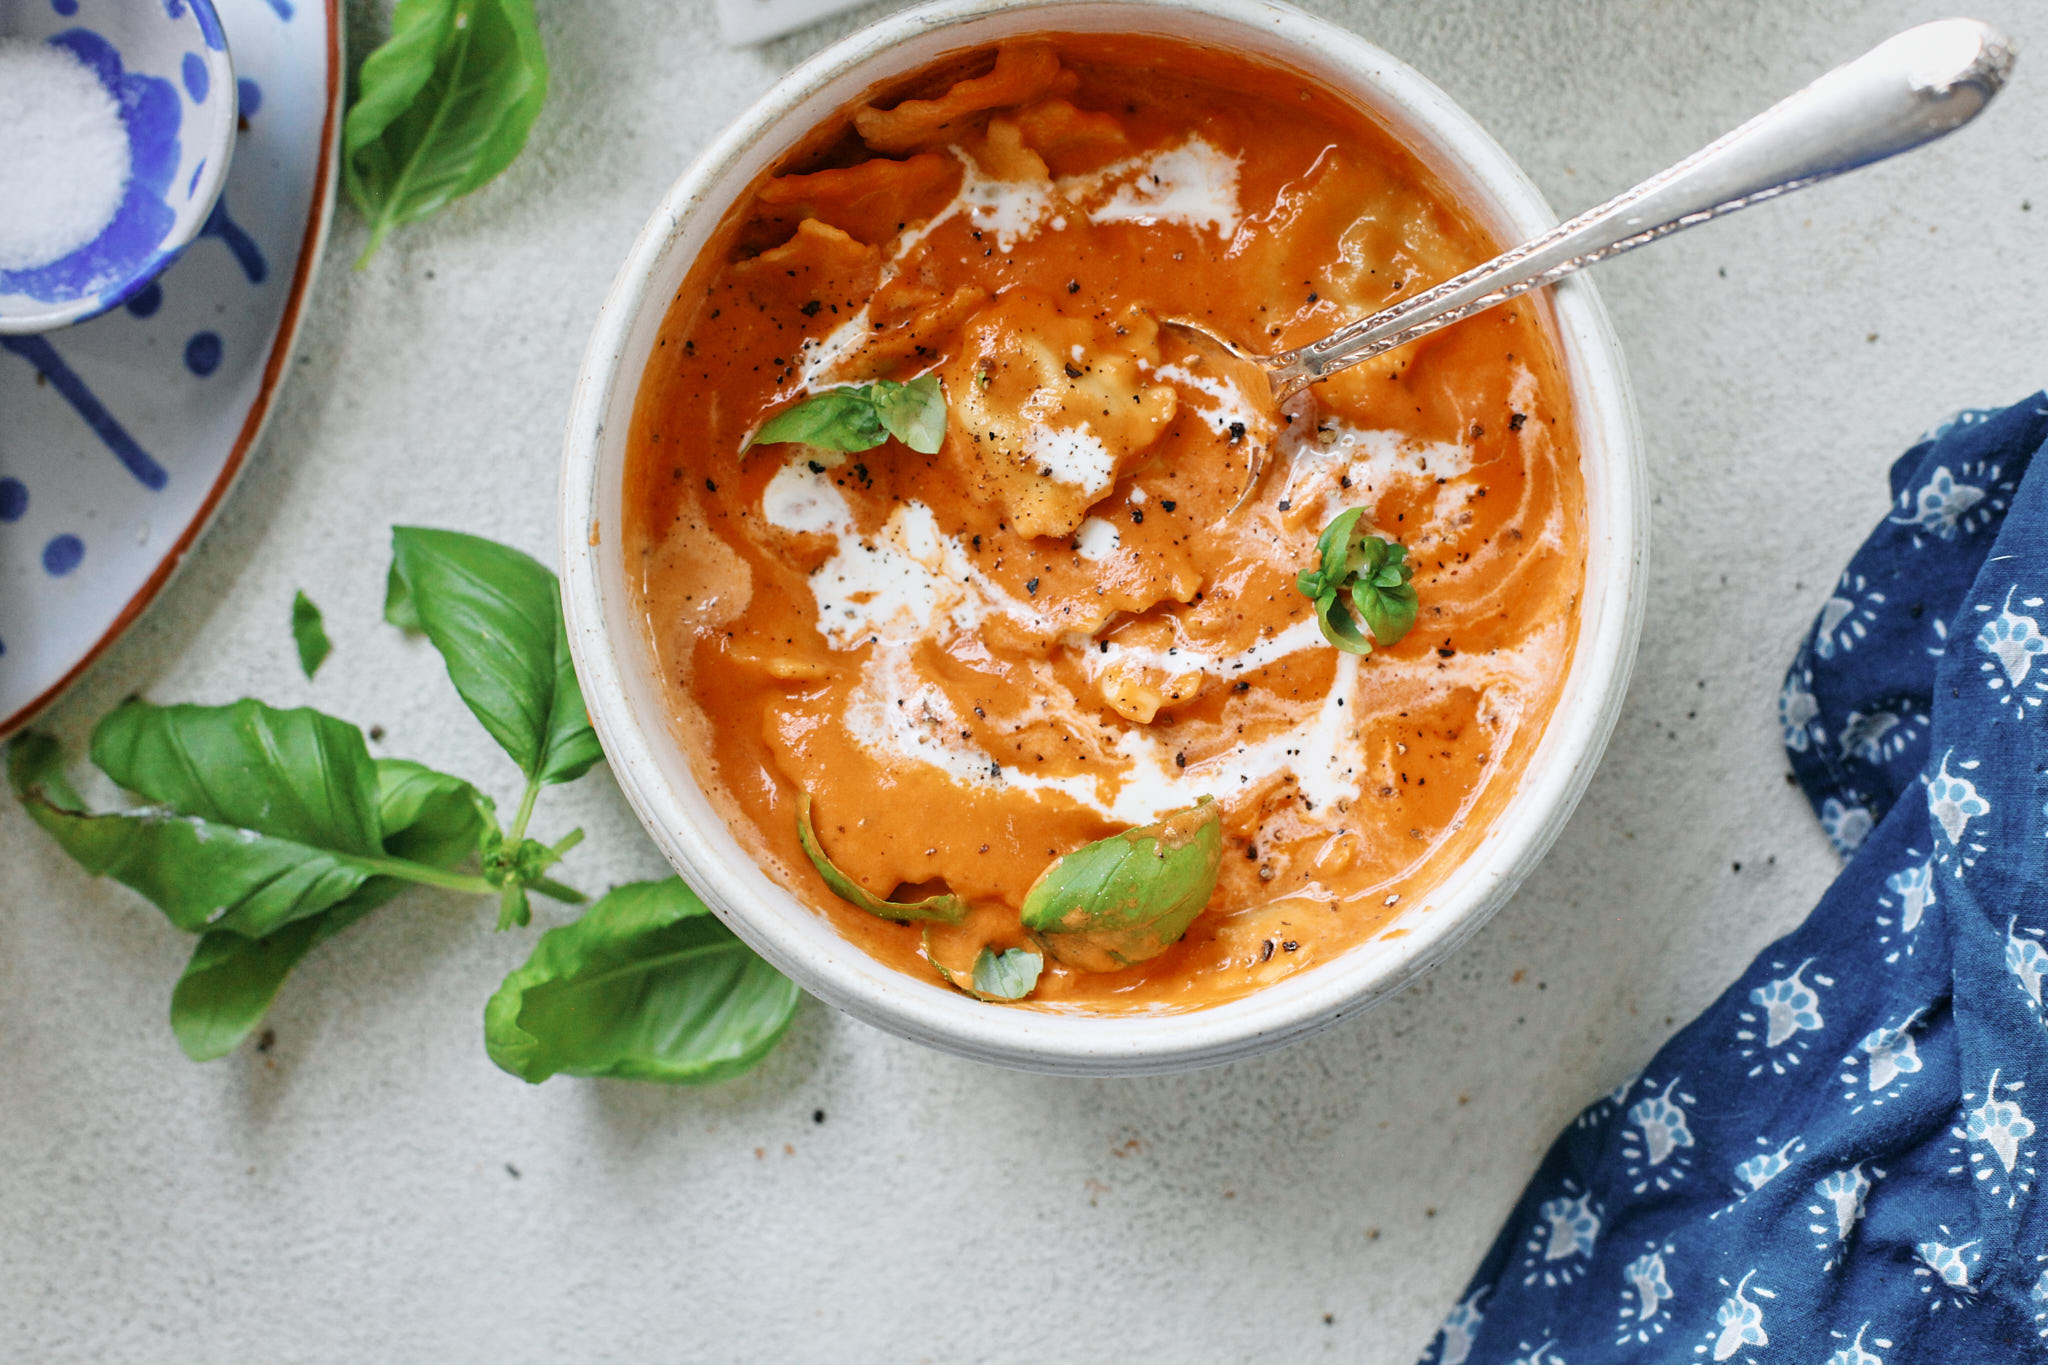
x=64 y=158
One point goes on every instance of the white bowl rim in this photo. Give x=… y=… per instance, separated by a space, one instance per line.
x=222 y=122
x=608 y=649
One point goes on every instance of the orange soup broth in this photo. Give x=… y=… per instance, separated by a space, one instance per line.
x=1461 y=447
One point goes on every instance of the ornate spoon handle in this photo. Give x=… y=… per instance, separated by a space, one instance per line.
x=1906 y=91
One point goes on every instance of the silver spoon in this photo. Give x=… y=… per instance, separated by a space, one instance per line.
x=1906 y=91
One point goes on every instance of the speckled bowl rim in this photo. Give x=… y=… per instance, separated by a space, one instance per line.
x=223 y=115
x=620 y=681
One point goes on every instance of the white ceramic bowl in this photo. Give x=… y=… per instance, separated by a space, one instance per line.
x=165 y=65
x=625 y=697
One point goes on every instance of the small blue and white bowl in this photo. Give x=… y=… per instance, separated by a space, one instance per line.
x=165 y=63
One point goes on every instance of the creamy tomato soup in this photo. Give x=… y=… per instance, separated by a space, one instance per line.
x=1065 y=622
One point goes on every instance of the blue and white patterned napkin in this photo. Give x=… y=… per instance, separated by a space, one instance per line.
x=1839 y=1163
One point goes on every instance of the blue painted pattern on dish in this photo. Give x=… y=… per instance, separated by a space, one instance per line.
x=38 y=352
x=209 y=22
x=246 y=253
x=1839 y=1162
x=119 y=385
x=147 y=300
x=202 y=353
x=62 y=554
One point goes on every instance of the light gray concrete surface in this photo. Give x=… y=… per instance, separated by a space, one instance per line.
x=372 y=1189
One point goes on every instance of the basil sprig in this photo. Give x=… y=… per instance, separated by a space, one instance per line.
x=309 y=635
x=265 y=832
x=647 y=985
x=862 y=416
x=945 y=908
x=1131 y=896
x=495 y=615
x=441 y=107
x=1372 y=574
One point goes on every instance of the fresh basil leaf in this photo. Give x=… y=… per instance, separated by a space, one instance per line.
x=441 y=107
x=965 y=981
x=1327 y=576
x=647 y=985
x=291 y=775
x=838 y=419
x=430 y=817
x=1339 y=627
x=1389 y=612
x=862 y=416
x=1334 y=547
x=1009 y=975
x=1131 y=896
x=309 y=634
x=914 y=413
x=232 y=979
x=1381 y=589
x=946 y=908
x=35 y=769
x=200 y=869
x=265 y=817
x=199 y=873
x=283 y=897
x=495 y=615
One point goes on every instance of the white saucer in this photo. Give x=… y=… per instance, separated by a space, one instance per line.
x=119 y=437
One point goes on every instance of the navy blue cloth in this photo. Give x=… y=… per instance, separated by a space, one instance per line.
x=1840 y=1161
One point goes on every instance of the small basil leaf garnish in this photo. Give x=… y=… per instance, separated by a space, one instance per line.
x=914 y=413
x=862 y=416
x=648 y=985
x=495 y=615
x=995 y=977
x=1131 y=896
x=1009 y=975
x=946 y=908
x=1359 y=572
x=838 y=419
x=309 y=634
x=441 y=107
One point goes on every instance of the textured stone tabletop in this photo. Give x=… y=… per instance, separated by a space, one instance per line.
x=371 y=1188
